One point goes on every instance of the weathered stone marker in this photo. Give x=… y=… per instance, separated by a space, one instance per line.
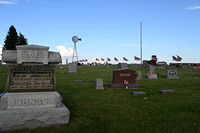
x=139 y=75
x=172 y=74
x=166 y=91
x=151 y=74
x=31 y=100
x=138 y=93
x=122 y=66
x=99 y=84
x=72 y=68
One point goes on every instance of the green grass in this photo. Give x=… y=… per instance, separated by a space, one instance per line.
x=115 y=110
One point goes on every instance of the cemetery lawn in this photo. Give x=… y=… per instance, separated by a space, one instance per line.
x=116 y=110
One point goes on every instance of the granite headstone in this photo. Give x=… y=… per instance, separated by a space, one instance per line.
x=172 y=74
x=120 y=75
x=32 y=100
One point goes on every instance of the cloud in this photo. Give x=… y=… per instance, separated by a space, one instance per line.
x=64 y=51
x=8 y=2
x=193 y=7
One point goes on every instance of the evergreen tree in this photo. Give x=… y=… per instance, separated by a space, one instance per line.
x=22 y=40
x=11 y=39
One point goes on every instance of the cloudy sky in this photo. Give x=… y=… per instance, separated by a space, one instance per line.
x=108 y=28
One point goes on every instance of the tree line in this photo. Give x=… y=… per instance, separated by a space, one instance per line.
x=13 y=39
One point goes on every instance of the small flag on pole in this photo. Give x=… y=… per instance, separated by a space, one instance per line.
x=125 y=59
x=108 y=59
x=137 y=58
x=154 y=58
x=178 y=58
x=115 y=59
x=97 y=59
x=102 y=59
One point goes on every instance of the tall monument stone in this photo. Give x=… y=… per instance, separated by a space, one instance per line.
x=31 y=100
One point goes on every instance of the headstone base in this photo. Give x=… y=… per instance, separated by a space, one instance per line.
x=130 y=86
x=33 y=118
x=99 y=88
x=172 y=77
x=152 y=76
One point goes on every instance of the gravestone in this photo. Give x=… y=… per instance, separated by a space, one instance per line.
x=172 y=74
x=120 y=75
x=66 y=61
x=99 y=84
x=166 y=91
x=138 y=93
x=122 y=66
x=72 y=68
x=139 y=75
x=77 y=81
x=151 y=74
x=151 y=69
x=145 y=64
x=31 y=100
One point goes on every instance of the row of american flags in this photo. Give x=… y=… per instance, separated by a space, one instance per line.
x=178 y=58
x=109 y=60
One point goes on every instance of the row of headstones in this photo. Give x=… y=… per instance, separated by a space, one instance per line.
x=161 y=92
x=171 y=74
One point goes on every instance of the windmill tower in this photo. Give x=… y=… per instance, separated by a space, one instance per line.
x=75 y=39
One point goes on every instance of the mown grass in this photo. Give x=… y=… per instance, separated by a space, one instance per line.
x=115 y=110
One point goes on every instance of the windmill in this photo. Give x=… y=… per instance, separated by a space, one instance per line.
x=75 y=39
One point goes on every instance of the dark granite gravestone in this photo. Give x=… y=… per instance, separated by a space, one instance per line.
x=31 y=78
x=120 y=75
x=145 y=64
x=172 y=74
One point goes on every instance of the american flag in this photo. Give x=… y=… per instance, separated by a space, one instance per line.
x=108 y=59
x=154 y=58
x=137 y=58
x=115 y=59
x=178 y=58
x=174 y=58
x=102 y=59
x=125 y=59
x=97 y=59
x=86 y=60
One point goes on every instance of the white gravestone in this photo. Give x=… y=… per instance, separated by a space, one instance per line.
x=72 y=68
x=99 y=84
x=31 y=100
x=122 y=66
x=151 y=74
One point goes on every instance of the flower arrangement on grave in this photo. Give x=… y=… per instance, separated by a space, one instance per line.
x=126 y=83
x=150 y=73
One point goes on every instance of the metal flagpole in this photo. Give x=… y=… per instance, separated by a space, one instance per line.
x=141 y=42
